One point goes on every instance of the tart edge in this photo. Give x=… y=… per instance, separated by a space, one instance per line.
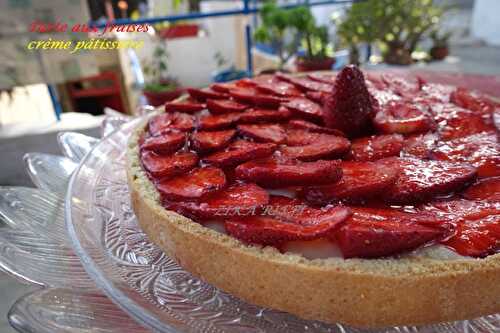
x=359 y=292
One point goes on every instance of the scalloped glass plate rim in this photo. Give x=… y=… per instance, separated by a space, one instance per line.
x=110 y=289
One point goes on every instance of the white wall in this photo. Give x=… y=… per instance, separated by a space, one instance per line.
x=486 y=21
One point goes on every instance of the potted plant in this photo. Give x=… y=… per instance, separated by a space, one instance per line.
x=159 y=87
x=440 y=47
x=315 y=40
x=397 y=25
x=275 y=29
x=225 y=73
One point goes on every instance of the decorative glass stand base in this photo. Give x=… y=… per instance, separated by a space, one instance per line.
x=76 y=236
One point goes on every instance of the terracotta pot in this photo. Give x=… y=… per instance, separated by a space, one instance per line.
x=439 y=52
x=311 y=65
x=159 y=98
x=179 y=31
x=398 y=56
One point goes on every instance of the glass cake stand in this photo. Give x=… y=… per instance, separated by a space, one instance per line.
x=76 y=236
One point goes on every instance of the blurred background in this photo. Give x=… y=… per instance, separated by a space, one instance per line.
x=191 y=43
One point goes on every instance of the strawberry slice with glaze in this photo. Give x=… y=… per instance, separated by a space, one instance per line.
x=305 y=108
x=318 y=96
x=478 y=226
x=223 y=106
x=207 y=141
x=219 y=121
x=325 y=146
x=360 y=181
x=264 y=115
x=311 y=127
x=481 y=150
x=324 y=78
x=472 y=101
x=168 y=121
x=186 y=105
x=282 y=89
x=401 y=86
x=203 y=94
x=287 y=220
x=223 y=87
x=455 y=122
x=250 y=95
x=235 y=200
x=351 y=108
x=403 y=118
x=421 y=180
x=168 y=166
x=193 y=184
x=381 y=232
x=273 y=133
x=420 y=145
x=376 y=147
x=274 y=173
x=487 y=189
x=239 y=152
x=166 y=143
x=305 y=84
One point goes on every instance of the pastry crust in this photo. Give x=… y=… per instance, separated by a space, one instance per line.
x=359 y=292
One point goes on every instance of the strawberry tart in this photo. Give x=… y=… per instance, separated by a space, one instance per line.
x=363 y=199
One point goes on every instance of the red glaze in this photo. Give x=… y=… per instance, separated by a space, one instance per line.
x=403 y=118
x=421 y=180
x=168 y=166
x=305 y=108
x=166 y=143
x=222 y=106
x=193 y=184
x=274 y=173
x=487 y=189
x=188 y=106
x=311 y=127
x=240 y=152
x=168 y=121
x=203 y=94
x=263 y=132
x=207 y=141
x=376 y=147
x=360 y=180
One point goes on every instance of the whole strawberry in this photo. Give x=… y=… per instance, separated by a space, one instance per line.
x=351 y=107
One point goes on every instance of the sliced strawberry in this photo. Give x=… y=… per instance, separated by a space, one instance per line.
x=192 y=185
x=187 y=106
x=375 y=147
x=268 y=101
x=381 y=232
x=435 y=92
x=206 y=141
x=383 y=97
x=456 y=122
x=168 y=166
x=324 y=78
x=420 y=145
x=478 y=226
x=264 y=115
x=421 y=180
x=351 y=108
x=223 y=87
x=275 y=173
x=329 y=146
x=244 y=95
x=305 y=84
x=239 y=152
x=401 y=86
x=203 y=94
x=317 y=96
x=472 y=101
x=305 y=108
x=169 y=121
x=166 y=143
x=403 y=118
x=360 y=180
x=481 y=150
x=301 y=137
x=311 y=127
x=222 y=106
x=280 y=88
x=235 y=200
x=264 y=132
x=485 y=189
x=219 y=121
